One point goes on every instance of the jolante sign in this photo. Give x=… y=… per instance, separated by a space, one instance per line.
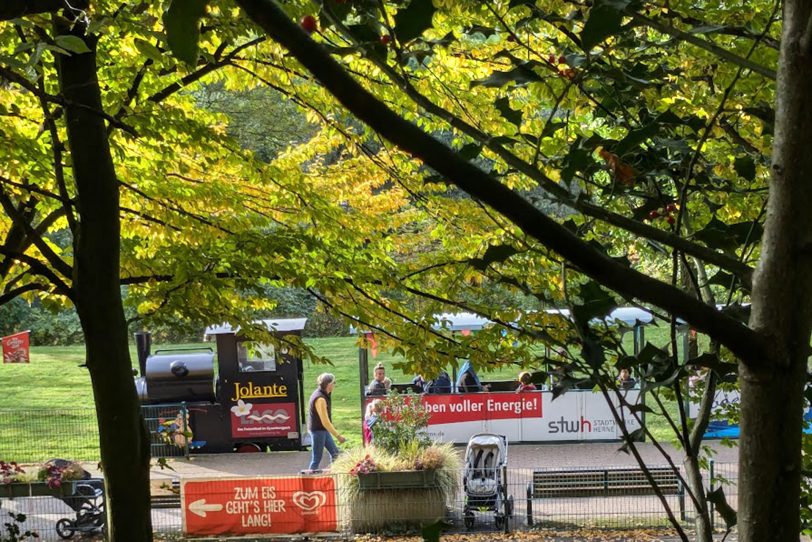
x=283 y=505
x=250 y=391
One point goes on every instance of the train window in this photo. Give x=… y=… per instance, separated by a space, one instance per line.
x=256 y=357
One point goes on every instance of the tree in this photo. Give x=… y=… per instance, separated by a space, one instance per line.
x=108 y=179
x=602 y=151
x=772 y=350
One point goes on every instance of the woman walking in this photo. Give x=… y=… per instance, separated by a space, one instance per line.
x=320 y=422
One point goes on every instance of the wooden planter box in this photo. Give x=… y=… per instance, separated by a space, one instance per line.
x=406 y=479
x=35 y=489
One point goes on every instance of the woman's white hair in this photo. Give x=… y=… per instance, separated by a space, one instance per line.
x=325 y=379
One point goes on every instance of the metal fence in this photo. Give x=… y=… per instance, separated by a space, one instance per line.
x=33 y=435
x=36 y=435
x=168 y=426
x=579 y=503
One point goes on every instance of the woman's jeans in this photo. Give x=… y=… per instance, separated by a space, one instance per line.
x=321 y=440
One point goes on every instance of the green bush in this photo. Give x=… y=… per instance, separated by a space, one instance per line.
x=400 y=430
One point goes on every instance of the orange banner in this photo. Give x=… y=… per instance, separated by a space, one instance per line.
x=281 y=505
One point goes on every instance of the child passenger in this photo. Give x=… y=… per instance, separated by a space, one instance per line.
x=524 y=382
x=373 y=411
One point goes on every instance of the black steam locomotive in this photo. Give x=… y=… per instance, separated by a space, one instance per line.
x=252 y=402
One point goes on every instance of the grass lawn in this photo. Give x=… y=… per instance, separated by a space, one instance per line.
x=55 y=380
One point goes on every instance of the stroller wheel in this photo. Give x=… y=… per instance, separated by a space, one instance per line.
x=499 y=521
x=469 y=520
x=65 y=528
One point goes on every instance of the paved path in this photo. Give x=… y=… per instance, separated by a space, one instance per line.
x=521 y=456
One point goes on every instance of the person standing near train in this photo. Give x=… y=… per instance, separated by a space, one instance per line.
x=320 y=423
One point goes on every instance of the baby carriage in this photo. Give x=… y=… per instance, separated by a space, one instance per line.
x=484 y=479
x=85 y=497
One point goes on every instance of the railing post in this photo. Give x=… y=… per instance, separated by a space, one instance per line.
x=530 y=503
x=711 y=475
x=508 y=508
x=183 y=413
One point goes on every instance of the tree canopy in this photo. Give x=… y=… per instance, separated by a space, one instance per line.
x=558 y=154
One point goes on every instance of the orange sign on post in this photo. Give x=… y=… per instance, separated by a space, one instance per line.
x=240 y=506
x=15 y=348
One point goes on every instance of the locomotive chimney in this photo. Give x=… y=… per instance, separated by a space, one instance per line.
x=143 y=343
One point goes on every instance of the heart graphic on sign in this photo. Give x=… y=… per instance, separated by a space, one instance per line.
x=309 y=500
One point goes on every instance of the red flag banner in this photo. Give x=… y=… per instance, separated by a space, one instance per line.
x=15 y=348
x=373 y=343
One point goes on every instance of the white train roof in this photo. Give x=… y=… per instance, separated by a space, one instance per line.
x=279 y=324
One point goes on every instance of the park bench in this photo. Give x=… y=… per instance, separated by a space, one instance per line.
x=598 y=482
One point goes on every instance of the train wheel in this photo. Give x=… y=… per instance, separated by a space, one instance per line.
x=64 y=528
x=248 y=448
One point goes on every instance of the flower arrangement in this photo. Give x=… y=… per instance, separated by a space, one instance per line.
x=364 y=466
x=400 y=449
x=10 y=473
x=52 y=473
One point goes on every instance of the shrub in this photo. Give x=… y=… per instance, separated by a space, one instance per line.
x=399 y=444
x=13 y=529
x=400 y=429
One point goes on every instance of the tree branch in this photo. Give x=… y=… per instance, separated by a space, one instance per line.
x=702 y=44
x=14 y=9
x=39 y=268
x=161 y=95
x=560 y=193
x=18 y=218
x=17 y=292
x=744 y=342
x=14 y=77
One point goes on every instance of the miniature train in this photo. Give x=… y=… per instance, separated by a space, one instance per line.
x=252 y=402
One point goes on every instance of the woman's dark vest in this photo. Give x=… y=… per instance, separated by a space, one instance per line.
x=313 y=420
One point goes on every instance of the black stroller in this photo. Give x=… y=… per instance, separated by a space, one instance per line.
x=86 y=498
x=484 y=479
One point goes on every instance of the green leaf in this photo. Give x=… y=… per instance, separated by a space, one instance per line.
x=73 y=44
x=494 y=253
x=716 y=234
x=182 y=28
x=604 y=20
x=634 y=436
x=745 y=167
x=635 y=138
x=706 y=29
x=595 y=303
x=640 y=408
x=717 y=498
x=712 y=362
x=469 y=151
x=519 y=74
x=411 y=22
x=431 y=533
x=511 y=115
x=148 y=50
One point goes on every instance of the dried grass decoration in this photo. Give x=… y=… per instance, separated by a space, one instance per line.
x=403 y=481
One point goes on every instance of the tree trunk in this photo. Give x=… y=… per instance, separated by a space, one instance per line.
x=123 y=437
x=772 y=389
x=692 y=448
x=693 y=476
